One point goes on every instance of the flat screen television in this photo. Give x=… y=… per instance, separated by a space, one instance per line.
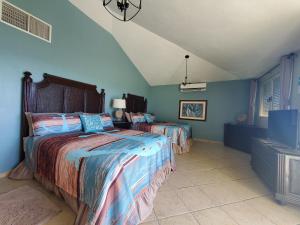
x=283 y=127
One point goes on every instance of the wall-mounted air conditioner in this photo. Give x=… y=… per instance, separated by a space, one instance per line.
x=193 y=87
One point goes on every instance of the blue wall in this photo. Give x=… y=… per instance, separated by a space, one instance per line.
x=80 y=50
x=226 y=100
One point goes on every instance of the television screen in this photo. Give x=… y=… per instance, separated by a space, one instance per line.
x=283 y=127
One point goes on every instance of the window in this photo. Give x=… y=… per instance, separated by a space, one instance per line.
x=269 y=95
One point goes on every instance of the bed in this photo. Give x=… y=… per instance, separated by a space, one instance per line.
x=179 y=134
x=109 y=177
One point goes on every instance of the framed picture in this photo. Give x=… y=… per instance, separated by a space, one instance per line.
x=193 y=110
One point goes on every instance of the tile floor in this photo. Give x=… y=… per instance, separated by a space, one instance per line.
x=213 y=185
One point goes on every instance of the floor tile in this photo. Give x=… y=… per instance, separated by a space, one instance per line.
x=150 y=218
x=150 y=223
x=185 y=219
x=231 y=161
x=214 y=216
x=180 y=180
x=195 y=199
x=279 y=214
x=168 y=204
x=206 y=164
x=238 y=172
x=167 y=187
x=64 y=218
x=254 y=186
x=208 y=177
x=225 y=193
x=245 y=214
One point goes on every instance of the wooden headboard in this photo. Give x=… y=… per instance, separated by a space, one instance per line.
x=135 y=103
x=59 y=95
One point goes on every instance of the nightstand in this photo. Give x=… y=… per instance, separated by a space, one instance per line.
x=122 y=124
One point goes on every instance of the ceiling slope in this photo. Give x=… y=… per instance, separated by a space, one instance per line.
x=245 y=37
x=233 y=39
x=160 y=61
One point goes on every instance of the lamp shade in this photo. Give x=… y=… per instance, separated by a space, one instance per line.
x=119 y=103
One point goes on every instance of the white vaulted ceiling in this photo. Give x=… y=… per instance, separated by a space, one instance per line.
x=227 y=40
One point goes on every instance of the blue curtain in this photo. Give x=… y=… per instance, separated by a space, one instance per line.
x=252 y=102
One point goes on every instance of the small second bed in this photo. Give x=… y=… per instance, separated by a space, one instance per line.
x=179 y=134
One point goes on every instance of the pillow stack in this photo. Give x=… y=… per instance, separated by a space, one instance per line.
x=149 y=118
x=140 y=117
x=41 y=124
x=137 y=118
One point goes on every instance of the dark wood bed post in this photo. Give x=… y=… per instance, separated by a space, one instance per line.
x=102 y=104
x=27 y=82
x=145 y=106
x=26 y=93
x=124 y=97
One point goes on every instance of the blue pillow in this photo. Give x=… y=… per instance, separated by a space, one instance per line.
x=149 y=118
x=91 y=123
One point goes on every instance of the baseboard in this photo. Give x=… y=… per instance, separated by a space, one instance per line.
x=208 y=141
x=5 y=174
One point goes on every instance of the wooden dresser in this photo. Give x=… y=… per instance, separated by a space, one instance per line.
x=279 y=167
x=240 y=136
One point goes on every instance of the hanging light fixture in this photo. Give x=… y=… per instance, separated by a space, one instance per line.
x=123 y=10
x=186 y=86
x=185 y=82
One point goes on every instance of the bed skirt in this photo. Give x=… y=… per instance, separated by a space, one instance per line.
x=144 y=203
x=177 y=149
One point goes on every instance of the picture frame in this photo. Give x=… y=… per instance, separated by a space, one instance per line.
x=193 y=110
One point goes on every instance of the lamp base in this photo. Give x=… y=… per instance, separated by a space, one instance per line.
x=119 y=115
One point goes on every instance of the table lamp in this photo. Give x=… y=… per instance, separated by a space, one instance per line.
x=119 y=104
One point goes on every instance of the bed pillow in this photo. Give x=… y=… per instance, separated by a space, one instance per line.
x=149 y=118
x=91 y=123
x=128 y=117
x=137 y=118
x=106 y=121
x=48 y=123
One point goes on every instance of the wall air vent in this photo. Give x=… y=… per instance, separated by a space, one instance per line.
x=18 y=18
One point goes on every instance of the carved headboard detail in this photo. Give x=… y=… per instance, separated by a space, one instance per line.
x=59 y=95
x=135 y=103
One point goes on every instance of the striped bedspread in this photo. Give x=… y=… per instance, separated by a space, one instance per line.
x=110 y=172
x=178 y=133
